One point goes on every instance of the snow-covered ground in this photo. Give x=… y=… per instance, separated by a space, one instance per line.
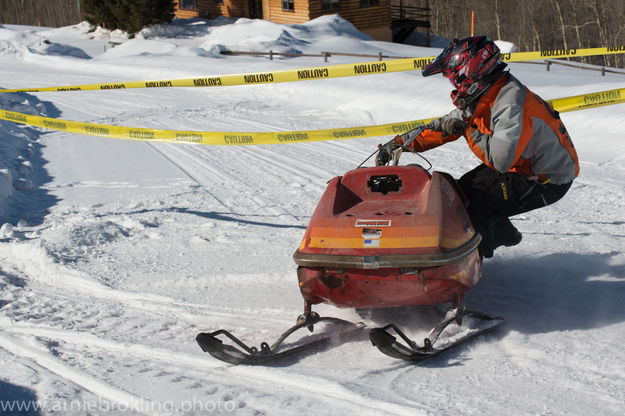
x=115 y=254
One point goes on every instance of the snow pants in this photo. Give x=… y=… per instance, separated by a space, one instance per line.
x=494 y=197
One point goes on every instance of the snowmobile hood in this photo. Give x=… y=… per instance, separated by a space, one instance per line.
x=389 y=211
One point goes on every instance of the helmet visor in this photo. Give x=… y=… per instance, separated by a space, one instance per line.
x=441 y=63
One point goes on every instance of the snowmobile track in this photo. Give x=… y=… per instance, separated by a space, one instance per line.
x=334 y=394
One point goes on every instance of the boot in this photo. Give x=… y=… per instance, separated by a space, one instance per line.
x=497 y=232
x=506 y=234
x=486 y=247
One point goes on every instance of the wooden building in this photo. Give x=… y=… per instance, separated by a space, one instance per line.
x=372 y=17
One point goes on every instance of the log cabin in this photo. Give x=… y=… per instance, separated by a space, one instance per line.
x=372 y=17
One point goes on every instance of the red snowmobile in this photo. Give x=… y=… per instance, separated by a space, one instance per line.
x=381 y=236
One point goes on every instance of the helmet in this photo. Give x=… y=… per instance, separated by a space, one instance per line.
x=471 y=64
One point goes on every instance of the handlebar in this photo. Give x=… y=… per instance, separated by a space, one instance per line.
x=396 y=153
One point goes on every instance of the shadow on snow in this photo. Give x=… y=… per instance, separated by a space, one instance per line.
x=556 y=292
x=20 y=153
x=17 y=400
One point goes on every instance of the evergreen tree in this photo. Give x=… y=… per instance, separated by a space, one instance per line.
x=128 y=15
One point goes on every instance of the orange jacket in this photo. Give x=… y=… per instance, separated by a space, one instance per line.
x=511 y=129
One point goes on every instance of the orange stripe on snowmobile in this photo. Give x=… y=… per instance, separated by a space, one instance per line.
x=383 y=242
x=362 y=243
x=330 y=232
x=398 y=237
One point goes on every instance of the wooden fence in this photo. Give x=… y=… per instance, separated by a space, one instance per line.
x=380 y=56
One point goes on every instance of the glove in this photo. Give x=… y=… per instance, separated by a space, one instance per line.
x=384 y=154
x=383 y=157
x=452 y=126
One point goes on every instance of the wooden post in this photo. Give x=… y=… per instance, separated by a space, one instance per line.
x=271 y=55
x=379 y=56
x=547 y=64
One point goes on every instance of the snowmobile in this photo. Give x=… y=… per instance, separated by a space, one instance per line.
x=380 y=237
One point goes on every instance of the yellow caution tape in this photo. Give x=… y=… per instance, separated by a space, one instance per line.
x=577 y=102
x=322 y=72
x=268 y=77
x=595 y=99
x=561 y=53
x=209 y=137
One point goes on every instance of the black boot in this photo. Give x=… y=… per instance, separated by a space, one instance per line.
x=486 y=247
x=506 y=234
x=497 y=232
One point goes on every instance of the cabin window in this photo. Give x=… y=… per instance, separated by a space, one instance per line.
x=330 y=5
x=187 y=4
x=288 y=5
x=367 y=3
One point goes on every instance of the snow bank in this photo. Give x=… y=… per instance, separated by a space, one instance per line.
x=12 y=49
x=263 y=35
x=506 y=47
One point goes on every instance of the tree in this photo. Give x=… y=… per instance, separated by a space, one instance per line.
x=537 y=24
x=127 y=15
x=52 y=13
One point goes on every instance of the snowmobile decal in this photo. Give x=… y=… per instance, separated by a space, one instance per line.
x=373 y=223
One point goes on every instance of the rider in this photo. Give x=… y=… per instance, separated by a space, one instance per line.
x=528 y=159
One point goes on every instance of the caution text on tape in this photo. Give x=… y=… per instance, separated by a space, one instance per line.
x=577 y=102
x=314 y=73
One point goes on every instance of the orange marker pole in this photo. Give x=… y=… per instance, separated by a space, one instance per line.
x=472 y=21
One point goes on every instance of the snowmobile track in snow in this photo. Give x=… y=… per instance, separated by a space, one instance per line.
x=332 y=393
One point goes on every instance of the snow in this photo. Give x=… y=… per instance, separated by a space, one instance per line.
x=115 y=254
x=506 y=47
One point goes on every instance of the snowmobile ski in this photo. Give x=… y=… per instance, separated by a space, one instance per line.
x=240 y=353
x=410 y=351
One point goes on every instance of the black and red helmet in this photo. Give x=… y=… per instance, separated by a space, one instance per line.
x=471 y=64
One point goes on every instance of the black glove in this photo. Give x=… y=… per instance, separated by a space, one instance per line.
x=384 y=154
x=452 y=126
